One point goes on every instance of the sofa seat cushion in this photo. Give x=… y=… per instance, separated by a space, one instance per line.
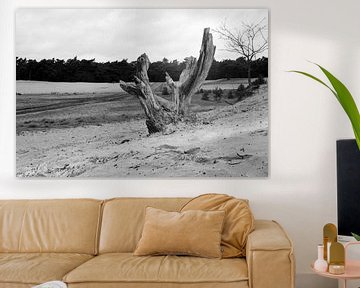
x=36 y=268
x=125 y=267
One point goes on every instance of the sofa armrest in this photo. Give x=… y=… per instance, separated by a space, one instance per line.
x=269 y=256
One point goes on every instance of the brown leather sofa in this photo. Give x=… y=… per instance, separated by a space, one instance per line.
x=89 y=243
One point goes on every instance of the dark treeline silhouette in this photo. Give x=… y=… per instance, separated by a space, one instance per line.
x=75 y=70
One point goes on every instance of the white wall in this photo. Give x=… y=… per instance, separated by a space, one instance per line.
x=305 y=120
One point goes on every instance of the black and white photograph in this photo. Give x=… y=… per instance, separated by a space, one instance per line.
x=142 y=93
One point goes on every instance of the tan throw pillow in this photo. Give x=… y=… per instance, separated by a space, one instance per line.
x=196 y=233
x=239 y=220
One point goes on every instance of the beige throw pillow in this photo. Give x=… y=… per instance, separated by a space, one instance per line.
x=194 y=232
x=239 y=221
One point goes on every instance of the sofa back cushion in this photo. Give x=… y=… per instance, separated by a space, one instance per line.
x=123 y=220
x=64 y=226
x=238 y=224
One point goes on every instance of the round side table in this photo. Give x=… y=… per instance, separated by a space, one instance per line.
x=352 y=269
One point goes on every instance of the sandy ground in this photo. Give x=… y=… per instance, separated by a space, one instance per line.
x=43 y=87
x=224 y=140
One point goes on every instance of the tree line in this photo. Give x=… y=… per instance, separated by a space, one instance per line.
x=75 y=70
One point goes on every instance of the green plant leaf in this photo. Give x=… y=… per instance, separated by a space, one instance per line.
x=346 y=100
x=356 y=236
x=344 y=97
x=316 y=79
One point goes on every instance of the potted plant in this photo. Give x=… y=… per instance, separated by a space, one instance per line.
x=346 y=100
x=357 y=237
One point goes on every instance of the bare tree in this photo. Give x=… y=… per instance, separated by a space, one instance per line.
x=249 y=41
x=159 y=111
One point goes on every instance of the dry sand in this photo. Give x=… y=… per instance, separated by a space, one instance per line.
x=224 y=140
x=43 y=87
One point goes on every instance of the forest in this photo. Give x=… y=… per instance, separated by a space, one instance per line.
x=75 y=70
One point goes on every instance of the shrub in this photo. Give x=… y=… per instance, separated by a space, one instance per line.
x=259 y=81
x=218 y=92
x=241 y=87
x=199 y=91
x=243 y=92
x=205 y=95
x=230 y=95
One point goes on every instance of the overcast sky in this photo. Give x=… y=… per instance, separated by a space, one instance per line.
x=116 y=34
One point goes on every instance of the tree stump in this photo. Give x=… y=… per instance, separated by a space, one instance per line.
x=159 y=111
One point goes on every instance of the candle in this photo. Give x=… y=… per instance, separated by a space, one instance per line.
x=336 y=269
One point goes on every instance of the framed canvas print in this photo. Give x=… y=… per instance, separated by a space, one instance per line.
x=142 y=93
